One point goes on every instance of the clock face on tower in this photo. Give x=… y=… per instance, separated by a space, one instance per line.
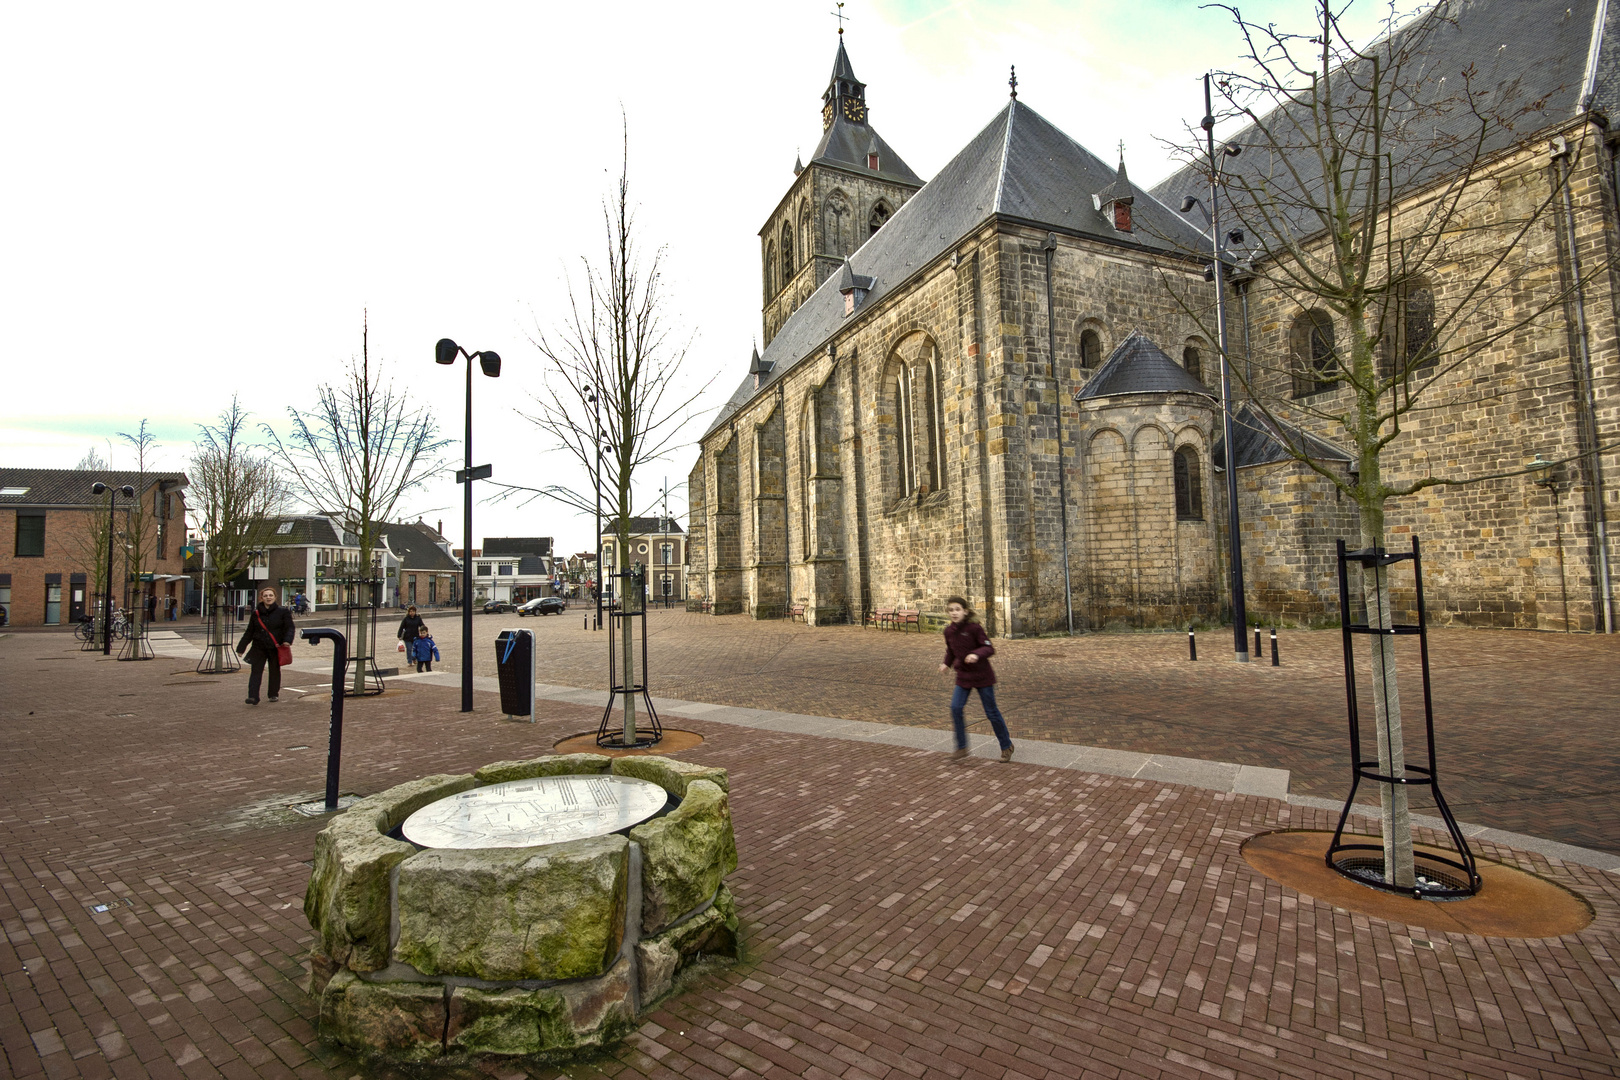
x=855 y=110
x=826 y=116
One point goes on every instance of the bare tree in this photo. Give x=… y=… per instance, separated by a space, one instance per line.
x=236 y=491
x=364 y=447
x=139 y=535
x=1364 y=197
x=613 y=371
x=93 y=461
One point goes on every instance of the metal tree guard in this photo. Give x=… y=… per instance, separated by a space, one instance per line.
x=1434 y=881
x=354 y=601
x=632 y=604
x=219 y=657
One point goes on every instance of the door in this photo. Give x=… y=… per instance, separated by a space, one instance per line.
x=53 y=605
x=76 y=608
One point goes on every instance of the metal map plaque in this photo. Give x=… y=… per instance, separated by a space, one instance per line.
x=527 y=813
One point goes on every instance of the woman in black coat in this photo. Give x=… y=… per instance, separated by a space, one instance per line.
x=269 y=625
x=409 y=625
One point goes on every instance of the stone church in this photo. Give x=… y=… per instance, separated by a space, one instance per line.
x=992 y=383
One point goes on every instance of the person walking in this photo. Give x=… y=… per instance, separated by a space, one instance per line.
x=408 y=627
x=423 y=650
x=967 y=652
x=269 y=628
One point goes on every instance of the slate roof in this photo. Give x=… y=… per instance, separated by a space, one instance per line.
x=1260 y=441
x=1524 y=53
x=642 y=526
x=1019 y=167
x=69 y=488
x=845 y=144
x=413 y=545
x=305 y=529
x=516 y=545
x=1138 y=366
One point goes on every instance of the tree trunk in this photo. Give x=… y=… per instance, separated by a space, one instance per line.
x=362 y=629
x=1394 y=813
x=627 y=639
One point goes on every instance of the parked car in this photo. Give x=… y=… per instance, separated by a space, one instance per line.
x=499 y=607
x=544 y=605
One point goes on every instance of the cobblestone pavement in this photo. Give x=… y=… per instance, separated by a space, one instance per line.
x=1525 y=721
x=904 y=917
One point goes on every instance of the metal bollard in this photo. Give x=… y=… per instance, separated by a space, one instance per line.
x=587 y=625
x=334 y=740
x=1257 y=652
x=1274 y=661
x=1192 y=646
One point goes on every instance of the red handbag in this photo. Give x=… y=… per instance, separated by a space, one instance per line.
x=283 y=652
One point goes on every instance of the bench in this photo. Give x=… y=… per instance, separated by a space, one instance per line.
x=882 y=618
x=707 y=607
x=795 y=613
x=904 y=618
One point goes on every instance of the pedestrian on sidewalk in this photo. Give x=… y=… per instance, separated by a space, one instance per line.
x=270 y=627
x=967 y=652
x=408 y=626
x=423 y=650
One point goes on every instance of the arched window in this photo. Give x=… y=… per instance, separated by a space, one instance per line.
x=770 y=270
x=807 y=238
x=880 y=214
x=1419 y=348
x=936 y=429
x=905 y=446
x=807 y=469
x=1189 y=486
x=1311 y=345
x=1193 y=362
x=1090 y=349
x=787 y=253
x=838 y=224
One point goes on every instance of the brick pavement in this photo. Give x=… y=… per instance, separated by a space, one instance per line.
x=1525 y=720
x=903 y=916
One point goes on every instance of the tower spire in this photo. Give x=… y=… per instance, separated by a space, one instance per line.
x=1012 y=81
x=840 y=16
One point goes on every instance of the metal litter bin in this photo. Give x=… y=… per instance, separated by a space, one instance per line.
x=514 y=671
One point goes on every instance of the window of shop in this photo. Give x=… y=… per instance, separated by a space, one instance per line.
x=30 y=534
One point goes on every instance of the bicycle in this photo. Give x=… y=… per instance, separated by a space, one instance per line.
x=86 y=630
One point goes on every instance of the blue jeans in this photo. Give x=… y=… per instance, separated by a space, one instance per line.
x=987 y=697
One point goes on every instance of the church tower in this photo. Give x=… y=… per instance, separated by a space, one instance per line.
x=851 y=186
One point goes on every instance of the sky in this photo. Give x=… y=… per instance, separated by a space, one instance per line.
x=209 y=199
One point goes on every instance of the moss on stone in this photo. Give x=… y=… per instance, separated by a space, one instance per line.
x=671 y=775
x=555 y=912
x=550 y=765
x=347 y=902
x=684 y=855
x=402 y=800
x=403 y=1020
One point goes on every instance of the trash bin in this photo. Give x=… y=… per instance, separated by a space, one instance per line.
x=514 y=670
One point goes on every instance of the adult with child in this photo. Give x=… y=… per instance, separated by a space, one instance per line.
x=423 y=650
x=409 y=625
x=268 y=629
x=967 y=652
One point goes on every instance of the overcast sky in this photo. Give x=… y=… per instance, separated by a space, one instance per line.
x=202 y=199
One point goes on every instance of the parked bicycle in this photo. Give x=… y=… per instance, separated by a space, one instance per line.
x=89 y=627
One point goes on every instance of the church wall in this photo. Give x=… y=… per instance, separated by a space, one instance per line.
x=1290 y=518
x=696 y=566
x=1162 y=576
x=1491 y=548
x=767 y=578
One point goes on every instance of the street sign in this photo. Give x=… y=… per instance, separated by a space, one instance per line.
x=477 y=472
x=148 y=577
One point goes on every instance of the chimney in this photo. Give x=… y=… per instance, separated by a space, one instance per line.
x=441 y=526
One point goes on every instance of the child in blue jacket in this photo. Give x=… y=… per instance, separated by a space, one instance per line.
x=423 y=651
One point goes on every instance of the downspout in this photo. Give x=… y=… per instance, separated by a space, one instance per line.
x=1561 y=153
x=1050 y=247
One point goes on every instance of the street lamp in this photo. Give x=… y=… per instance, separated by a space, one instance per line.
x=594 y=397
x=1234 y=543
x=128 y=490
x=446 y=352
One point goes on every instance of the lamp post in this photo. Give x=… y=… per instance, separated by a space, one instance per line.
x=1234 y=543
x=446 y=352
x=595 y=398
x=128 y=490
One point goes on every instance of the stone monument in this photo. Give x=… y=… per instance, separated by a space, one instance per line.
x=532 y=907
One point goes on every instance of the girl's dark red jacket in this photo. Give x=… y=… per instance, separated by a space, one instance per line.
x=964 y=638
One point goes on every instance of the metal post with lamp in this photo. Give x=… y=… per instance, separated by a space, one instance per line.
x=1548 y=480
x=595 y=398
x=1217 y=273
x=128 y=491
x=446 y=352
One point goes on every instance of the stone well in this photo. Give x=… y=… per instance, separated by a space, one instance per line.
x=425 y=952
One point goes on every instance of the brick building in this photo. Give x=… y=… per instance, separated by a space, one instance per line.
x=659 y=544
x=1019 y=350
x=421 y=569
x=48 y=520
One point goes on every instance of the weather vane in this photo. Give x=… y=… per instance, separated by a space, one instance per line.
x=840 y=16
x=1012 y=81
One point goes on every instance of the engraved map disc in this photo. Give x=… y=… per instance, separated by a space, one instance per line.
x=527 y=813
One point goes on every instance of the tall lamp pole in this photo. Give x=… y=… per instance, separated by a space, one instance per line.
x=595 y=398
x=446 y=352
x=1234 y=543
x=128 y=490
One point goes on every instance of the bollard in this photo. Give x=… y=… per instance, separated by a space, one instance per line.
x=1257 y=652
x=334 y=742
x=587 y=625
x=1192 y=646
x=1274 y=662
